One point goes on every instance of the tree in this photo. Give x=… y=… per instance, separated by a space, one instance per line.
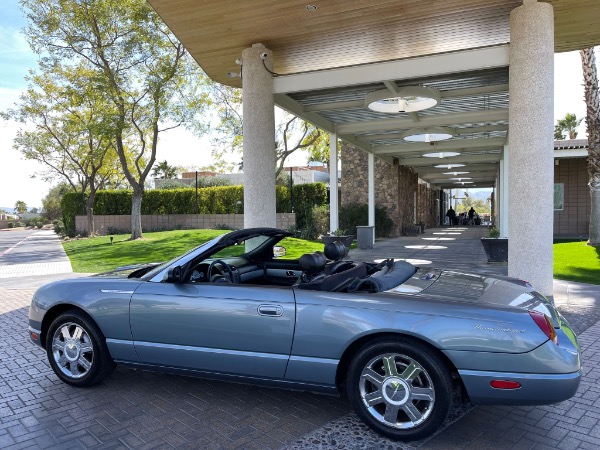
x=51 y=202
x=592 y=100
x=569 y=125
x=164 y=171
x=20 y=207
x=66 y=129
x=145 y=74
x=294 y=134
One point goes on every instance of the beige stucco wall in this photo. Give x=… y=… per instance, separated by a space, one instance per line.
x=175 y=221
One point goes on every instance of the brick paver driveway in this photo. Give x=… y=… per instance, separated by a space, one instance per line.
x=138 y=409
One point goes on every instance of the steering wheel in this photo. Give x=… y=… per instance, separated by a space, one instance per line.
x=225 y=266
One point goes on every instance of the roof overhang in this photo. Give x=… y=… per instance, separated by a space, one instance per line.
x=329 y=59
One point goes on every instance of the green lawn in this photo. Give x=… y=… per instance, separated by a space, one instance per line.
x=96 y=254
x=576 y=261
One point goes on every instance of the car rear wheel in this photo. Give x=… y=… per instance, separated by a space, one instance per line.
x=402 y=390
x=77 y=350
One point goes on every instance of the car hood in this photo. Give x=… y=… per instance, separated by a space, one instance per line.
x=130 y=271
x=493 y=290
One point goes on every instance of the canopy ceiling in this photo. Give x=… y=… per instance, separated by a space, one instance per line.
x=358 y=43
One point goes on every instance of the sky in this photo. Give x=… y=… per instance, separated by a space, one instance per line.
x=18 y=180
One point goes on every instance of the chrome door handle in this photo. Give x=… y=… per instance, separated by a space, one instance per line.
x=270 y=310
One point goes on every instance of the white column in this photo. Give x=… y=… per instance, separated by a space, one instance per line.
x=333 y=183
x=531 y=109
x=503 y=202
x=371 y=183
x=259 y=137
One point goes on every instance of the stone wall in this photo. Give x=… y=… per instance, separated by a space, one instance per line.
x=427 y=205
x=394 y=185
x=175 y=221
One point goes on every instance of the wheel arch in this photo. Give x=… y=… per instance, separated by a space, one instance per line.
x=360 y=343
x=56 y=311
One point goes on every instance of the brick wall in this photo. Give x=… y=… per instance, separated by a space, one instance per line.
x=394 y=186
x=174 y=221
x=574 y=219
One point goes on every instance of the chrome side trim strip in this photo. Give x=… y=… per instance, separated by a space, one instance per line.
x=210 y=350
x=115 y=291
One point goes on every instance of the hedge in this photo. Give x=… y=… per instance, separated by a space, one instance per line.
x=211 y=200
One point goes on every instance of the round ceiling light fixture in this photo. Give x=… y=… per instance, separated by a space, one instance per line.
x=454 y=173
x=463 y=182
x=428 y=134
x=440 y=154
x=448 y=166
x=460 y=179
x=406 y=99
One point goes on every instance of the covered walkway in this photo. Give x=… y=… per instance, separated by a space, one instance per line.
x=456 y=248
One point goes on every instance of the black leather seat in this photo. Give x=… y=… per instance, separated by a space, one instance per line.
x=336 y=252
x=313 y=265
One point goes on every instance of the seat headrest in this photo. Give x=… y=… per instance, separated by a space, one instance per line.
x=312 y=263
x=335 y=250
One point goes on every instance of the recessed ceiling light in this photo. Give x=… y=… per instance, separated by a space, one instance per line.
x=311 y=7
x=406 y=99
x=463 y=182
x=440 y=154
x=428 y=134
x=448 y=166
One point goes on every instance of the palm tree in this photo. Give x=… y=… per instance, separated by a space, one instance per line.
x=164 y=170
x=592 y=100
x=568 y=124
x=20 y=207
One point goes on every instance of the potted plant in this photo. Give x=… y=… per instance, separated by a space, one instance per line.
x=338 y=235
x=496 y=248
x=412 y=230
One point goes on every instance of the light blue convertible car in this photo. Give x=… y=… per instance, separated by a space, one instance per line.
x=398 y=340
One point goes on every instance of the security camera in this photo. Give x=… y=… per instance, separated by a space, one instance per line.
x=264 y=55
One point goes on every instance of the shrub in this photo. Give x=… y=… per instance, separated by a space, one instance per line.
x=211 y=200
x=355 y=214
x=306 y=196
x=59 y=227
x=320 y=219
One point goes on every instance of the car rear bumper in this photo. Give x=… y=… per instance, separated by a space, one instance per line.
x=535 y=389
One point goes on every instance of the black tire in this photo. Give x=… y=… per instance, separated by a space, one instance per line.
x=77 y=350
x=401 y=389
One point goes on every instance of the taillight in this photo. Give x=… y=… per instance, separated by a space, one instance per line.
x=545 y=325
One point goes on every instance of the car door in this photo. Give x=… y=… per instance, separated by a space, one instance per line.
x=214 y=327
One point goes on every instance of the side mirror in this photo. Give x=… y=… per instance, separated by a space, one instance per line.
x=278 y=251
x=174 y=275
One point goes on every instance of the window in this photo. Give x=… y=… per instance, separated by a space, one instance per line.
x=559 y=196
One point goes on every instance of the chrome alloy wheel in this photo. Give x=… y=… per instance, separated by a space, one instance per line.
x=72 y=350
x=397 y=391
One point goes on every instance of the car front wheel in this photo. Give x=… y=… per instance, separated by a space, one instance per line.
x=77 y=350
x=401 y=390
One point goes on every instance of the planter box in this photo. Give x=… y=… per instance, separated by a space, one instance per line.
x=413 y=230
x=496 y=249
x=346 y=240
